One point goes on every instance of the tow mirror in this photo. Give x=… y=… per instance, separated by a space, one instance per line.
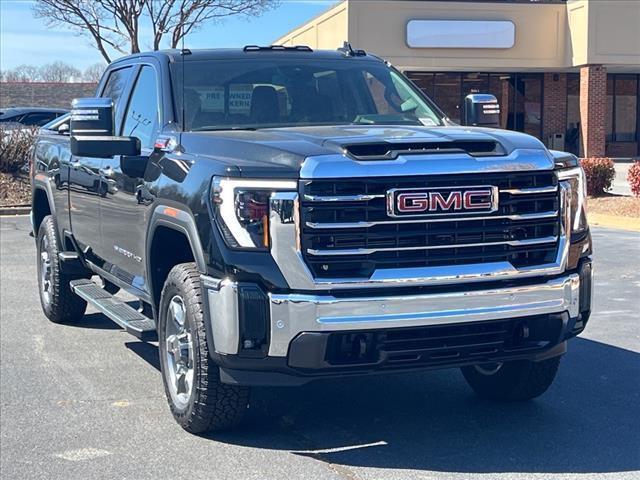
x=481 y=110
x=92 y=117
x=92 y=130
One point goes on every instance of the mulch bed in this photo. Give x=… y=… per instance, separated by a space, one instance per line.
x=14 y=189
x=615 y=205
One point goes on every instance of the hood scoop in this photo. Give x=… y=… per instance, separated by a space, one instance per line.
x=390 y=151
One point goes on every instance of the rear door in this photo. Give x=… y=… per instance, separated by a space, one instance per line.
x=86 y=187
x=123 y=207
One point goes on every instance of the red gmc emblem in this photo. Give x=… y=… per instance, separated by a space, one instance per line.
x=430 y=201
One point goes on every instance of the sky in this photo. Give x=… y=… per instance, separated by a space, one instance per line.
x=27 y=40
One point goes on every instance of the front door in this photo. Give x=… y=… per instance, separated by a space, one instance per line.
x=123 y=207
x=86 y=185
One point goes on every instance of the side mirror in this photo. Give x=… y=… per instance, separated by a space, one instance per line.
x=481 y=110
x=92 y=117
x=63 y=129
x=92 y=130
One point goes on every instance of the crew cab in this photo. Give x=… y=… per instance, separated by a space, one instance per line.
x=280 y=215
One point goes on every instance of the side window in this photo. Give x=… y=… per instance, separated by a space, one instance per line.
x=141 y=119
x=38 y=119
x=115 y=86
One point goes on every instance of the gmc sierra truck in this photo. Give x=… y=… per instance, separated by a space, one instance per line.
x=275 y=215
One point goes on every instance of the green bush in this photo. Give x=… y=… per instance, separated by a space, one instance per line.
x=15 y=147
x=599 y=173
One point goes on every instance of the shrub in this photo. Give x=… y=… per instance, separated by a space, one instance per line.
x=599 y=173
x=16 y=143
x=633 y=177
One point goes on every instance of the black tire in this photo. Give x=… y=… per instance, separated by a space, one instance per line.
x=512 y=381
x=59 y=303
x=208 y=404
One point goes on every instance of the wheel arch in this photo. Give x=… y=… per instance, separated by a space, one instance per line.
x=41 y=205
x=173 y=230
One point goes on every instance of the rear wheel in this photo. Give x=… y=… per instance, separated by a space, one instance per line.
x=59 y=303
x=512 y=381
x=198 y=400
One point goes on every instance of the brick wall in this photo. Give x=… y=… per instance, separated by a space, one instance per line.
x=554 y=113
x=593 y=109
x=37 y=94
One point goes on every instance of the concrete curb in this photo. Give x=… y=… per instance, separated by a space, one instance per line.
x=612 y=221
x=15 y=210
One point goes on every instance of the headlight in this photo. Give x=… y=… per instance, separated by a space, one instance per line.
x=578 y=200
x=241 y=208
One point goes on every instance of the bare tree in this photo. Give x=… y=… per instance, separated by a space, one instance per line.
x=94 y=72
x=115 y=24
x=181 y=17
x=22 y=73
x=59 y=72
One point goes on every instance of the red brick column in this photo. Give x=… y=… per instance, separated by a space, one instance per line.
x=554 y=114
x=593 y=109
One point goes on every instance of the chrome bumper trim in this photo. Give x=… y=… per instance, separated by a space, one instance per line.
x=292 y=314
x=514 y=217
x=342 y=198
x=530 y=191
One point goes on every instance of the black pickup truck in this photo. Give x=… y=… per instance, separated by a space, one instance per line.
x=275 y=215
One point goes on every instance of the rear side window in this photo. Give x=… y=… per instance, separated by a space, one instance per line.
x=116 y=83
x=13 y=118
x=39 y=118
x=141 y=119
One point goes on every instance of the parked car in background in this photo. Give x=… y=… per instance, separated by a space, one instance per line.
x=30 y=116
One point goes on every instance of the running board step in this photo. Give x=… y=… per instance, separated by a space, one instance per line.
x=125 y=316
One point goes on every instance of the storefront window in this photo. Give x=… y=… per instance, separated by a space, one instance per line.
x=528 y=106
x=519 y=95
x=625 y=108
x=500 y=87
x=424 y=81
x=474 y=83
x=573 y=135
x=446 y=93
x=608 y=121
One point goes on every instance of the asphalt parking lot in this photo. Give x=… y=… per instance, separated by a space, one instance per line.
x=86 y=401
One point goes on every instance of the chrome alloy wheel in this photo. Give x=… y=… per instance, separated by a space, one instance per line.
x=179 y=352
x=488 y=368
x=45 y=271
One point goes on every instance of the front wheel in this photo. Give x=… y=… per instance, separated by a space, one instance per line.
x=512 y=381
x=59 y=303
x=198 y=400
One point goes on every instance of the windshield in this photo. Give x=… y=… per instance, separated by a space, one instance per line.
x=241 y=94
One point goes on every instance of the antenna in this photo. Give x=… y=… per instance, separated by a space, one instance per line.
x=182 y=53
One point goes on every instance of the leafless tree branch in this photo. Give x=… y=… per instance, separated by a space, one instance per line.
x=115 y=24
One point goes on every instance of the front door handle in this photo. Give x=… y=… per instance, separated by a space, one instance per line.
x=106 y=172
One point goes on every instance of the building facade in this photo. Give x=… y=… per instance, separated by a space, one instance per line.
x=565 y=71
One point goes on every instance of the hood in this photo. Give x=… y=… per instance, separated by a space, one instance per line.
x=285 y=149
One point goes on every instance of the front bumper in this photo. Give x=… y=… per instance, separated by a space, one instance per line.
x=300 y=327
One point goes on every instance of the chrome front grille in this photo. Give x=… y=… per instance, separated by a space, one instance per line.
x=346 y=231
